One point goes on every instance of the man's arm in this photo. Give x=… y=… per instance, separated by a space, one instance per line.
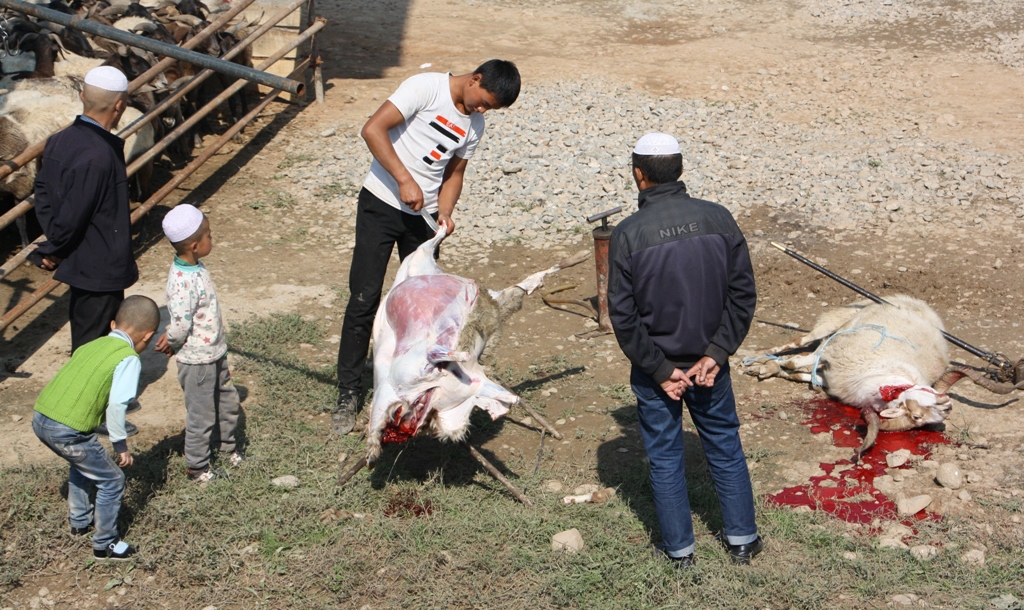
x=740 y=301
x=634 y=341
x=451 y=189
x=375 y=134
x=123 y=389
x=70 y=217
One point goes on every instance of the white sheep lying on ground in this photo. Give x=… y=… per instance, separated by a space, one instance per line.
x=888 y=360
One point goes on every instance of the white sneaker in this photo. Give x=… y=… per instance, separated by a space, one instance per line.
x=235 y=459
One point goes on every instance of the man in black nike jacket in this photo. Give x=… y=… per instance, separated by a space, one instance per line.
x=681 y=298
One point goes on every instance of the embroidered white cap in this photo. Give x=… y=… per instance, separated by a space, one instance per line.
x=180 y=223
x=657 y=144
x=107 y=78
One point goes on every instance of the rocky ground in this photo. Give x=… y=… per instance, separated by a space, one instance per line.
x=882 y=139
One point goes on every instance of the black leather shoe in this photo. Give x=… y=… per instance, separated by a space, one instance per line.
x=742 y=553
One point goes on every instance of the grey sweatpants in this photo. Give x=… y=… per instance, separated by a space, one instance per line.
x=212 y=405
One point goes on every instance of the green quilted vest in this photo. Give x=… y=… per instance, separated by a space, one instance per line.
x=77 y=396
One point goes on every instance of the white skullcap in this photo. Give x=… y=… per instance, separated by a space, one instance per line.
x=181 y=222
x=657 y=144
x=107 y=78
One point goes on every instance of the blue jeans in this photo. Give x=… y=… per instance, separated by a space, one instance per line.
x=91 y=465
x=713 y=411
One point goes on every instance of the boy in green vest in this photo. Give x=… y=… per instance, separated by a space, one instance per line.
x=101 y=377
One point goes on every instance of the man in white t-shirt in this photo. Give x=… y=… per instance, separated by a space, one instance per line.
x=421 y=138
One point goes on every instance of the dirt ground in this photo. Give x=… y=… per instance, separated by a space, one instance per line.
x=267 y=260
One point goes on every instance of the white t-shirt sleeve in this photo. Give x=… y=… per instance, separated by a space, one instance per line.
x=476 y=132
x=413 y=95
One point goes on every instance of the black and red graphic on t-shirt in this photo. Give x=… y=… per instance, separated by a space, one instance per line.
x=449 y=130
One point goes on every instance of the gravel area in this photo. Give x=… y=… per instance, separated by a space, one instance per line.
x=561 y=154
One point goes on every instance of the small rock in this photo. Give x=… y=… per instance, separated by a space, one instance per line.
x=929 y=464
x=783 y=416
x=887 y=485
x=892 y=543
x=924 y=552
x=211 y=608
x=44 y=592
x=1005 y=602
x=850 y=555
x=973 y=478
x=342 y=457
x=569 y=541
x=560 y=422
x=553 y=486
x=912 y=506
x=289 y=480
x=964 y=495
x=622 y=450
x=587 y=488
x=16 y=418
x=908 y=599
x=949 y=476
x=526 y=421
x=328 y=132
x=974 y=558
x=898 y=458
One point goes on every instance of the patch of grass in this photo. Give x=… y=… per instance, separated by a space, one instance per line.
x=291 y=160
x=620 y=392
x=272 y=198
x=269 y=548
x=335 y=189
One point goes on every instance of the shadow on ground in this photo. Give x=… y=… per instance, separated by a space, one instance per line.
x=628 y=473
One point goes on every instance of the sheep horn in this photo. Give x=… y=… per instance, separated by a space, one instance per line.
x=871 y=417
x=948 y=379
x=981 y=379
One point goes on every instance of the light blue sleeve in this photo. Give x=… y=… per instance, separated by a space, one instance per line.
x=122 y=390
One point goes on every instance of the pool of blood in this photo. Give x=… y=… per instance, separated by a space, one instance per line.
x=854 y=498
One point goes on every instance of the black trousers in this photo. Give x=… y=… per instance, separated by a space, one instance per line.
x=379 y=227
x=91 y=314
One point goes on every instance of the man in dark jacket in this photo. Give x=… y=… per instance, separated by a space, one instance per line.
x=81 y=194
x=681 y=297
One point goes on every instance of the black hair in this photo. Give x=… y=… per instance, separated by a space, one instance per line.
x=501 y=79
x=138 y=313
x=659 y=169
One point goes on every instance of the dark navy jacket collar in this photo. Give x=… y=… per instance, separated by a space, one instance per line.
x=661 y=192
x=115 y=142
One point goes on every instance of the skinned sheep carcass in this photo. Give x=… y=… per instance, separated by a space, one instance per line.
x=890 y=360
x=429 y=336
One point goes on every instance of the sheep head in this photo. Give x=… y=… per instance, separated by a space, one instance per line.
x=914 y=407
x=911 y=407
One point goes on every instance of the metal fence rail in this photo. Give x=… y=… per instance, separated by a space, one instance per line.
x=279 y=85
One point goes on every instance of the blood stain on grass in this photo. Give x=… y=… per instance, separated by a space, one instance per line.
x=847 y=490
x=405 y=503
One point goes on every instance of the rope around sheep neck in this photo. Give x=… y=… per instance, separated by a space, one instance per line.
x=881 y=330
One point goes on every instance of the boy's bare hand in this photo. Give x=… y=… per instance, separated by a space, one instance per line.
x=125 y=459
x=163 y=347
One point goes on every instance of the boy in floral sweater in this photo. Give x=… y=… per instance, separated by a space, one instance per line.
x=196 y=333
